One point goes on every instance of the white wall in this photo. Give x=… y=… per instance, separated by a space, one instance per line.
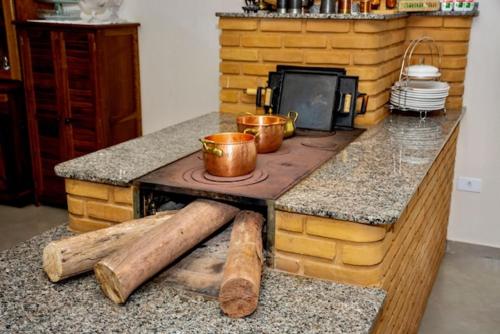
x=179 y=79
x=475 y=217
x=179 y=50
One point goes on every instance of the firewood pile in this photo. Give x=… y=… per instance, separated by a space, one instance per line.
x=126 y=255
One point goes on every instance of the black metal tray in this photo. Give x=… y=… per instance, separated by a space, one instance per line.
x=312 y=95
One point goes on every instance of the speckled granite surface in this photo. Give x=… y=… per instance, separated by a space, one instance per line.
x=122 y=163
x=475 y=12
x=354 y=16
x=29 y=303
x=370 y=182
x=314 y=16
x=375 y=177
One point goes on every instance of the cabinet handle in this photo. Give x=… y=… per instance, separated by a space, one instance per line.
x=67 y=121
x=5 y=64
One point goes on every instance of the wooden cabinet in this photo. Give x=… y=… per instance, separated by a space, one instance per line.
x=16 y=184
x=9 y=57
x=82 y=93
x=15 y=167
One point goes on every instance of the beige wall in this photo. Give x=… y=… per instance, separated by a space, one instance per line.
x=179 y=52
x=475 y=217
x=179 y=69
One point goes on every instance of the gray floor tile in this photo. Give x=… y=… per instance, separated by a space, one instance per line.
x=19 y=224
x=465 y=297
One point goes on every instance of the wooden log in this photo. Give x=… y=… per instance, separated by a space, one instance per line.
x=240 y=287
x=123 y=271
x=75 y=255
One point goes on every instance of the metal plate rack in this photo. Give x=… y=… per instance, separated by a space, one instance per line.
x=404 y=78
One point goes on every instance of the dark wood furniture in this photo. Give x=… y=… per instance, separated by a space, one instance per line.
x=9 y=56
x=82 y=94
x=16 y=185
x=28 y=9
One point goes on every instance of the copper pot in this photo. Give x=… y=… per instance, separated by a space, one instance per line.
x=344 y=7
x=229 y=154
x=391 y=4
x=269 y=130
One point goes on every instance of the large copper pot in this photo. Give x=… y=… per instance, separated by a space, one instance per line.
x=269 y=130
x=229 y=154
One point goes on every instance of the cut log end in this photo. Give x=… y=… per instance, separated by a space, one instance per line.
x=78 y=254
x=109 y=283
x=52 y=262
x=239 y=291
x=238 y=298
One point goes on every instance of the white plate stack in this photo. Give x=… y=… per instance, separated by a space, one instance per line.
x=419 y=95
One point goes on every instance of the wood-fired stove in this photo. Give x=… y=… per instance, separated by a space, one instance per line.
x=186 y=179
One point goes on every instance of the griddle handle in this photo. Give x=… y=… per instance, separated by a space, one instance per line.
x=364 y=104
x=258 y=99
x=340 y=107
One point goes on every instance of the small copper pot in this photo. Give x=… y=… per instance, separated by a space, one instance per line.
x=344 y=7
x=290 y=123
x=269 y=130
x=229 y=154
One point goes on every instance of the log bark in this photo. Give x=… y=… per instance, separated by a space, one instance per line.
x=123 y=271
x=75 y=255
x=240 y=287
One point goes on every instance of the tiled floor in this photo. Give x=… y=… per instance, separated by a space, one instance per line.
x=465 y=297
x=17 y=224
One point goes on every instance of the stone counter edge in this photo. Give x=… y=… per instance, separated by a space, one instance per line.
x=336 y=16
x=121 y=164
x=367 y=218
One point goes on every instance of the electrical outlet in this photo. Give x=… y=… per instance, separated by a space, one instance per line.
x=469 y=184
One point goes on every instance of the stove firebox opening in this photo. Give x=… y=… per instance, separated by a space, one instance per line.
x=153 y=201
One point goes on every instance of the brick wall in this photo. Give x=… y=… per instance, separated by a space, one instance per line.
x=372 y=50
x=330 y=249
x=402 y=258
x=92 y=206
x=413 y=260
x=452 y=35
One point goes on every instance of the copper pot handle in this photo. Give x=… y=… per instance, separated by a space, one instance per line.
x=293 y=115
x=252 y=131
x=246 y=113
x=209 y=148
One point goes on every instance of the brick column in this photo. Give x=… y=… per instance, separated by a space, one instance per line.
x=452 y=35
x=251 y=48
x=402 y=258
x=92 y=206
x=370 y=49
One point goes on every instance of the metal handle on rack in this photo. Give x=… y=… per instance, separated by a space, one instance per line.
x=411 y=48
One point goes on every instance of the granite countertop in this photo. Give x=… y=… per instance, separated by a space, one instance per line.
x=29 y=303
x=370 y=182
x=125 y=162
x=336 y=16
x=474 y=12
x=374 y=178
x=314 y=16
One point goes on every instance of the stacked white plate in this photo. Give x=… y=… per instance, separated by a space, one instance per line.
x=419 y=95
x=422 y=72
